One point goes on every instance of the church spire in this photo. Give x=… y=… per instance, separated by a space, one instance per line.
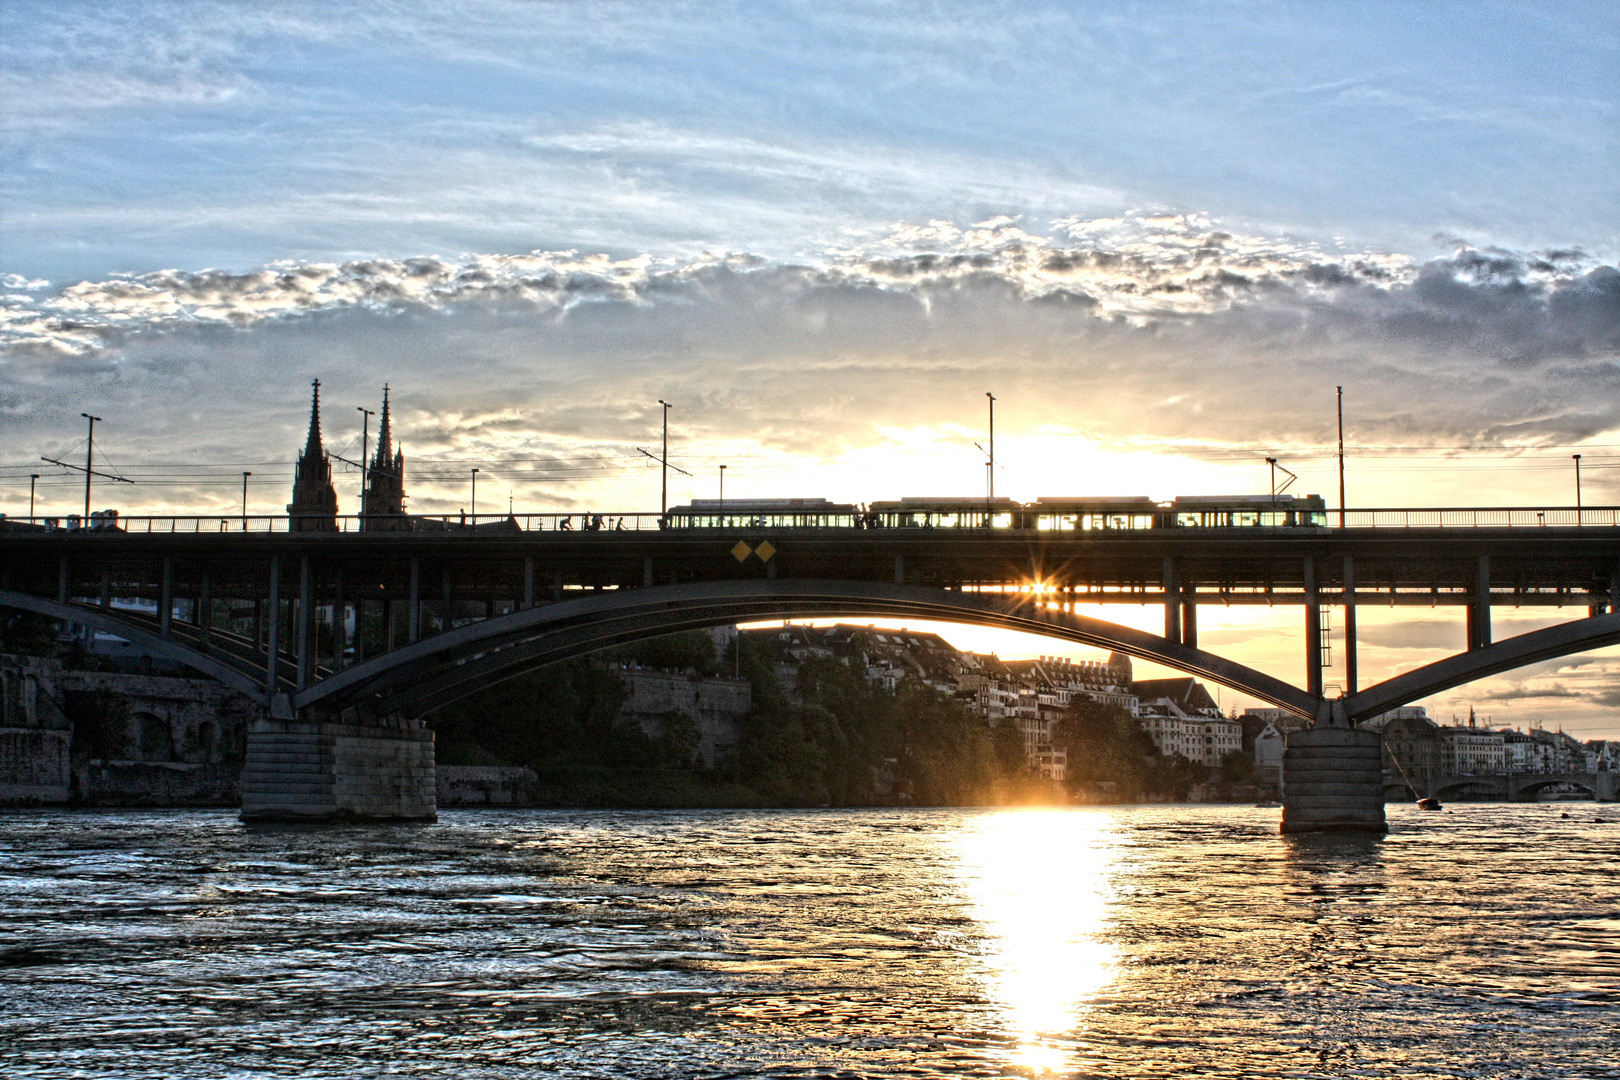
x=313 y=447
x=385 y=494
x=385 y=453
x=314 y=503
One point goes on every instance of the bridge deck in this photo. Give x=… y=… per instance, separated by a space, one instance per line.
x=1405 y=566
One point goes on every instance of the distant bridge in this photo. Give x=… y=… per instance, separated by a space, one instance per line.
x=456 y=610
x=1505 y=787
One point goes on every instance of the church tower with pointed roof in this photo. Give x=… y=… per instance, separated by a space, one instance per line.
x=314 y=502
x=384 y=506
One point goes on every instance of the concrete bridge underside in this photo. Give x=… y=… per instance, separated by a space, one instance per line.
x=347 y=742
x=425 y=675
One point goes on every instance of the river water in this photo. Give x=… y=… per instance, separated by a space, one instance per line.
x=1147 y=941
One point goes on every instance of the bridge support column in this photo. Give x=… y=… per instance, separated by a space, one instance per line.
x=340 y=627
x=1350 y=686
x=1172 y=601
x=1333 y=781
x=316 y=770
x=166 y=597
x=528 y=582
x=306 y=619
x=1313 y=631
x=360 y=628
x=205 y=612
x=272 y=648
x=413 y=617
x=1479 y=611
x=1189 y=616
x=448 y=601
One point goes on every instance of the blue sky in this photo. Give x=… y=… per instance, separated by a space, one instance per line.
x=147 y=136
x=1162 y=233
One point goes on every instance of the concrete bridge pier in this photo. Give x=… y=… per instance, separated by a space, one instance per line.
x=345 y=770
x=1333 y=779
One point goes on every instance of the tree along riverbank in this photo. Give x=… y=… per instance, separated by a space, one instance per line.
x=839 y=740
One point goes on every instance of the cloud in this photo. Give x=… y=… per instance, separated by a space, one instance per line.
x=1534 y=694
x=1149 y=333
x=1492 y=304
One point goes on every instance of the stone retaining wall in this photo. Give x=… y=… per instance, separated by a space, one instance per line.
x=34 y=766
x=485 y=785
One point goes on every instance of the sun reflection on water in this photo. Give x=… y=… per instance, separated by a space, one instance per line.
x=1039 y=884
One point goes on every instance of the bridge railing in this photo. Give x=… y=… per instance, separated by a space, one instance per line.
x=480 y=524
x=1406 y=517
x=1479 y=517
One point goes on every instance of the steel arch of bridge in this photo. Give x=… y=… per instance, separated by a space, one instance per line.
x=108 y=621
x=436 y=671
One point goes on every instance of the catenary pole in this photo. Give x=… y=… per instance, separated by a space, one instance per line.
x=991 y=465
x=663 y=497
x=365 y=450
x=1340 y=390
x=89 y=451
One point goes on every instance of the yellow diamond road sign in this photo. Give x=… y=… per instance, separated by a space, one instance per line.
x=765 y=551
x=741 y=551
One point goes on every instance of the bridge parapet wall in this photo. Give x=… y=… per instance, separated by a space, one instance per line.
x=318 y=770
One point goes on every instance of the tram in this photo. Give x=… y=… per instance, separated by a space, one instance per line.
x=763 y=513
x=1060 y=514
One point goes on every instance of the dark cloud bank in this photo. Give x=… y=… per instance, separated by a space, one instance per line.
x=1168 y=333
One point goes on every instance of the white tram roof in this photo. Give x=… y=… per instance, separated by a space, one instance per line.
x=761 y=506
x=1242 y=500
x=947 y=503
x=1094 y=502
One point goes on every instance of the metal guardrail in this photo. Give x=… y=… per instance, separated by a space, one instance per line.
x=1465 y=517
x=1479 y=517
x=491 y=524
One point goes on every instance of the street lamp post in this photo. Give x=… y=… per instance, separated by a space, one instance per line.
x=245 y=475
x=1577 y=458
x=475 y=497
x=32 y=477
x=89 y=450
x=722 y=489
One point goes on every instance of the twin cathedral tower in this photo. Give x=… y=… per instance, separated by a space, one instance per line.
x=314 y=505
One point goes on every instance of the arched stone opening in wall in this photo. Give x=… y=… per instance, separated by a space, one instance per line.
x=154 y=737
x=1532 y=791
x=207 y=742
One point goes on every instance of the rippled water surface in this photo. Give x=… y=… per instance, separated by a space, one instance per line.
x=1482 y=941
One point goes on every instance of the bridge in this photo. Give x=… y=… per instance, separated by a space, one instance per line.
x=454 y=606
x=1504 y=787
